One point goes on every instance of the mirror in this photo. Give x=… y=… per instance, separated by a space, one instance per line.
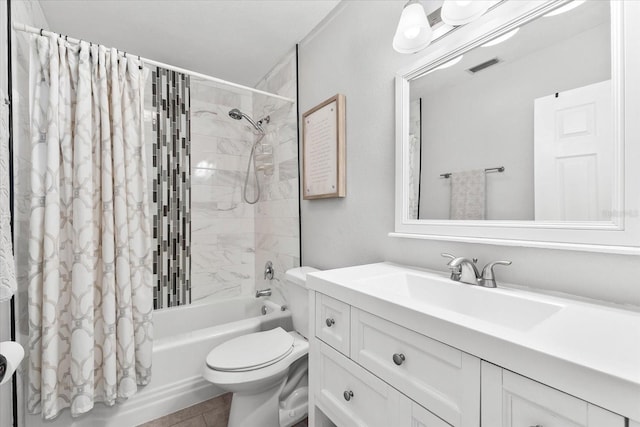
x=518 y=128
x=512 y=130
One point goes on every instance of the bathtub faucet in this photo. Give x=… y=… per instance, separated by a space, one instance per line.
x=263 y=293
x=268 y=270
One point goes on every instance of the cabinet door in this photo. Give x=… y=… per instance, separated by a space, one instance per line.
x=414 y=415
x=349 y=395
x=511 y=400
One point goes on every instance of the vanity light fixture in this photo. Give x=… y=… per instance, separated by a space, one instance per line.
x=460 y=12
x=566 y=8
x=414 y=32
x=502 y=38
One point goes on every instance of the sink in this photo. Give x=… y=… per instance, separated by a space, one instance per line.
x=498 y=306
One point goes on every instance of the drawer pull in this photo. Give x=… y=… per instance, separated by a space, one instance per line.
x=537 y=425
x=398 y=359
x=330 y=322
x=348 y=395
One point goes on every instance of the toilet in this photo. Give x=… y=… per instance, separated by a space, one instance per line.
x=267 y=371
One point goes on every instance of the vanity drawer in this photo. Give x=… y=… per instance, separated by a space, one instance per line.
x=509 y=399
x=351 y=396
x=441 y=378
x=333 y=319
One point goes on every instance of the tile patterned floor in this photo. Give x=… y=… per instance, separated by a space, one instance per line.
x=211 y=413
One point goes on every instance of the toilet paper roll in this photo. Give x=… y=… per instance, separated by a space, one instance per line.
x=13 y=353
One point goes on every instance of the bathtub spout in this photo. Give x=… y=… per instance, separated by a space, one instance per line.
x=263 y=293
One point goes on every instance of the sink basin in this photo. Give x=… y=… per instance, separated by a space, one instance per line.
x=498 y=306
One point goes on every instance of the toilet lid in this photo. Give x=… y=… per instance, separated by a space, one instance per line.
x=251 y=351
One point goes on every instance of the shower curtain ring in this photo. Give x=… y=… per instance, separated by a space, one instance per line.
x=41 y=29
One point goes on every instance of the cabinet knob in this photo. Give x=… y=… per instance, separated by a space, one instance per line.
x=398 y=359
x=330 y=322
x=348 y=395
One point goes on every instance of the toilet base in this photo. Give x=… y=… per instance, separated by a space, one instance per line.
x=256 y=410
x=295 y=407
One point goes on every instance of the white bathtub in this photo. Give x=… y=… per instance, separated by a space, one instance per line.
x=183 y=338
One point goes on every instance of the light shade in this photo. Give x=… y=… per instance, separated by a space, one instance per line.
x=413 y=32
x=460 y=12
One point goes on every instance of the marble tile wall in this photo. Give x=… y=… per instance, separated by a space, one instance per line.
x=222 y=224
x=277 y=221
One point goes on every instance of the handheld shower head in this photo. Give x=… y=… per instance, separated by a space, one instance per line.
x=235 y=114
x=239 y=115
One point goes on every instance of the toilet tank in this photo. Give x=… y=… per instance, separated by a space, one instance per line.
x=295 y=292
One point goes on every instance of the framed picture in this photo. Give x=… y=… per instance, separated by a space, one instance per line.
x=323 y=150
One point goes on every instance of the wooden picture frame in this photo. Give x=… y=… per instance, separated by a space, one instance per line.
x=323 y=150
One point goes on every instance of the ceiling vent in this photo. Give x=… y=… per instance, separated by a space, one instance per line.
x=435 y=18
x=483 y=66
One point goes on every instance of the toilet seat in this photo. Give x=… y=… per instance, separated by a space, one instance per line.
x=251 y=351
x=256 y=375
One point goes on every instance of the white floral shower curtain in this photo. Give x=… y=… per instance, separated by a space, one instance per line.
x=90 y=276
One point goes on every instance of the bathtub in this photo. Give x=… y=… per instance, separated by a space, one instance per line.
x=183 y=338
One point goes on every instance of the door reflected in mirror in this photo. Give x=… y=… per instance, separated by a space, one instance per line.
x=519 y=128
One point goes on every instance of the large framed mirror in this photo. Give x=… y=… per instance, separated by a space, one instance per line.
x=516 y=130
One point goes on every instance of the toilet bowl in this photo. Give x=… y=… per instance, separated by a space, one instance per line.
x=266 y=371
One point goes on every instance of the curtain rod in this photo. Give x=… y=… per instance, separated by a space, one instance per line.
x=28 y=29
x=487 y=170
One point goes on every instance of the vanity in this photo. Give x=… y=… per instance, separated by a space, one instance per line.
x=401 y=346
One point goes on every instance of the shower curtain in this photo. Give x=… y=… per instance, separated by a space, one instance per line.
x=90 y=281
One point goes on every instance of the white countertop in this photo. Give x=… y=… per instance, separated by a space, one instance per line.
x=585 y=349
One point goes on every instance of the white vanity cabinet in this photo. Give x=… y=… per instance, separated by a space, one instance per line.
x=374 y=373
x=417 y=349
x=511 y=400
x=368 y=371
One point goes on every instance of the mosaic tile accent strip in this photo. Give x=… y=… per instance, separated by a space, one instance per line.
x=172 y=188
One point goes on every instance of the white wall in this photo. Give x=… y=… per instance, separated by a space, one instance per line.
x=352 y=54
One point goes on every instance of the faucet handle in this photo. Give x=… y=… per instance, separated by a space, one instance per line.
x=446 y=255
x=488 y=276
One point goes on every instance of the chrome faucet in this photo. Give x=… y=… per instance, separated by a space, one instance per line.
x=464 y=270
x=263 y=293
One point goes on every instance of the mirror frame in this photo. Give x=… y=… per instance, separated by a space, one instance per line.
x=621 y=235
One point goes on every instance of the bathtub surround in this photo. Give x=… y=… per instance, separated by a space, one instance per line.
x=171 y=188
x=222 y=225
x=277 y=219
x=89 y=229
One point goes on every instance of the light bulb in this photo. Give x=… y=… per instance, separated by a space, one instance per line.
x=412 y=33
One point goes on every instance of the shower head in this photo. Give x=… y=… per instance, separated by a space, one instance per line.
x=239 y=115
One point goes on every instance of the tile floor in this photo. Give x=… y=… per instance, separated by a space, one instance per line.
x=210 y=413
